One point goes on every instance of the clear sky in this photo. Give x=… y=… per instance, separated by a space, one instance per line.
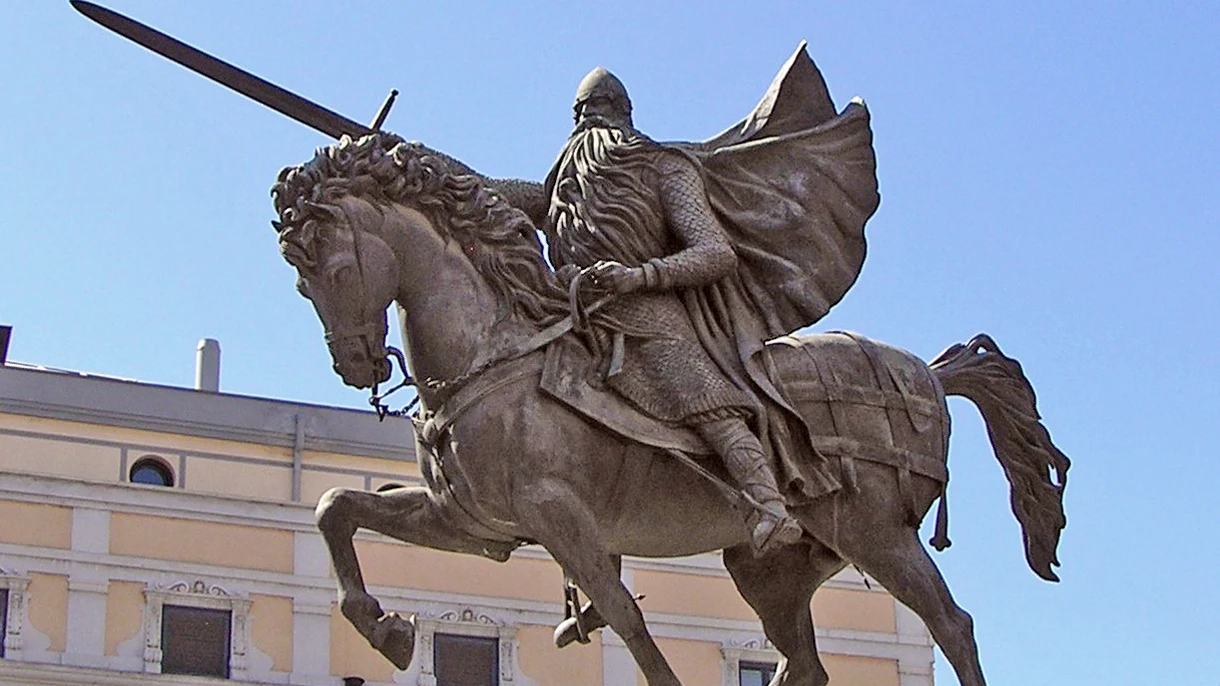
x=1048 y=175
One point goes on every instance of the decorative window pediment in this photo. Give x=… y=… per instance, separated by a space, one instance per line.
x=464 y=622
x=14 y=586
x=756 y=651
x=197 y=594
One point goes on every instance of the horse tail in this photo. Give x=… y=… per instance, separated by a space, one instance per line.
x=996 y=384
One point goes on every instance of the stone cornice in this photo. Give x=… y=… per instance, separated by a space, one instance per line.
x=78 y=397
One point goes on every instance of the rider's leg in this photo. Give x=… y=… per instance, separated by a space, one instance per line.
x=747 y=464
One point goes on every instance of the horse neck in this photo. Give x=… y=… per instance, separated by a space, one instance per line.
x=447 y=311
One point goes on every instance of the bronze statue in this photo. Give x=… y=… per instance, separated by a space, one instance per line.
x=518 y=443
x=681 y=340
x=584 y=408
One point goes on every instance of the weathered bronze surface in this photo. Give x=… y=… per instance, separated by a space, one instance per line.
x=644 y=397
x=675 y=415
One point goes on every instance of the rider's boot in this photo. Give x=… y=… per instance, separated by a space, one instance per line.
x=771 y=527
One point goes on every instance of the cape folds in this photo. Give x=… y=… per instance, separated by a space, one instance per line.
x=793 y=184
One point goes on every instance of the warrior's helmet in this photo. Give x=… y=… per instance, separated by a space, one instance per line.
x=599 y=84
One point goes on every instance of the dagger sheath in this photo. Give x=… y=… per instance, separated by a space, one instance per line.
x=285 y=102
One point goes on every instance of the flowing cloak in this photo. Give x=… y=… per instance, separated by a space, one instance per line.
x=793 y=185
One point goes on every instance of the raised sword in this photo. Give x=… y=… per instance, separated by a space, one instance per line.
x=283 y=101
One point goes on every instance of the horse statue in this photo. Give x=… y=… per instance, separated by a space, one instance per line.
x=378 y=220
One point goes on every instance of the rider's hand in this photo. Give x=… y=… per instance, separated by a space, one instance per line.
x=616 y=277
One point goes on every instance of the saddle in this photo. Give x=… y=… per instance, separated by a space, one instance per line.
x=571 y=376
x=862 y=401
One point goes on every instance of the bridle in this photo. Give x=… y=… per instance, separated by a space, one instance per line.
x=367 y=332
x=577 y=321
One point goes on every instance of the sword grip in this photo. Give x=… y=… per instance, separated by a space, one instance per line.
x=384 y=111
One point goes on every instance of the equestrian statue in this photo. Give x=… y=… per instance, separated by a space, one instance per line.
x=635 y=386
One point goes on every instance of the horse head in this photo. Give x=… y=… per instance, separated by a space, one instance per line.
x=350 y=275
x=377 y=219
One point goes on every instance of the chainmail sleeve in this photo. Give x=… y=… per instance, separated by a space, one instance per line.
x=707 y=255
x=527 y=196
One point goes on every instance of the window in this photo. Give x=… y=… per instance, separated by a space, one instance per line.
x=466 y=660
x=151 y=470
x=756 y=673
x=196 y=628
x=3 y=618
x=464 y=646
x=13 y=617
x=195 y=640
x=750 y=661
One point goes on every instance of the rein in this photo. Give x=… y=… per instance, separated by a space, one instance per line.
x=578 y=321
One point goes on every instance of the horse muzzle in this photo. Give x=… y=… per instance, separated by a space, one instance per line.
x=360 y=359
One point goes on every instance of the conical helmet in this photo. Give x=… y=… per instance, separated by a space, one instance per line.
x=601 y=82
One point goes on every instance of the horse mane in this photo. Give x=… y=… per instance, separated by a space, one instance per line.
x=498 y=239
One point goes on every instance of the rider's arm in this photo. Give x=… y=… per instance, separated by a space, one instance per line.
x=706 y=255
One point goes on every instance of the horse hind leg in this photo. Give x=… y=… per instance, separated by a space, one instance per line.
x=894 y=556
x=779 y=586
x=560 y=521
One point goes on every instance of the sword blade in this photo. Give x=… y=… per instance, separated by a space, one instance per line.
x=285 y=102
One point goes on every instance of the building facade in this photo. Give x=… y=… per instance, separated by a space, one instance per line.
x=161 y=535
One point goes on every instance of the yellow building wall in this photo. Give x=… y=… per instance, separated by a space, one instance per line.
x=35 y=524
x=694 y=662
x=390 y=564
x=314 y=484
x=351 y=654
x=124 y=613
x=841 y=608
x=48 y=607
x=316 y=458
x=540 y=660
x=691 y=594
x=228 y=545
x=848 y=670
x=157 y=442
x=265 y=482
x=271 y=629
x=59 y=458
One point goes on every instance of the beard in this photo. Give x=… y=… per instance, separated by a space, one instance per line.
x=603 y=193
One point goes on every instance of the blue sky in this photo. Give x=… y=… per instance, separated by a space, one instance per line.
x=1048 y=175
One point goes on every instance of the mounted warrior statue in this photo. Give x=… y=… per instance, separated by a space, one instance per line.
x=686 y=266
x=713 y=249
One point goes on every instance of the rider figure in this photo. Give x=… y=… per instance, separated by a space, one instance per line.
x=634 y=216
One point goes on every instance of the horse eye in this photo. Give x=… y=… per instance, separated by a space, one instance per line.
x=342 y=275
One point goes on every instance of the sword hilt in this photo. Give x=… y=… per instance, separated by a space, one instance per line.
x=384 y=111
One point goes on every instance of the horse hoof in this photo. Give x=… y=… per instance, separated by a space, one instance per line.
x=394 y=637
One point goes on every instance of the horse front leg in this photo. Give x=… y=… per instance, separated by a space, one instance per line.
x=564 y=525
x=408 y=514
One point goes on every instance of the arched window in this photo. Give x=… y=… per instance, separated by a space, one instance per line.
x=151 y=470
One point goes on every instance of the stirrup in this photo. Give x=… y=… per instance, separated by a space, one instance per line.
x=770 y=531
